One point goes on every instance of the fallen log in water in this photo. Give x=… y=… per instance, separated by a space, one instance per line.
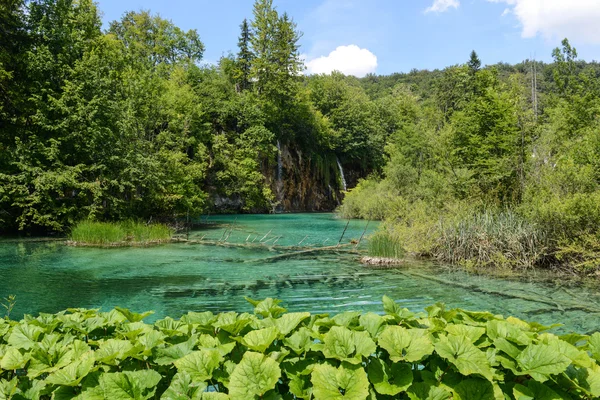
x=345 y=248
x=559 y=305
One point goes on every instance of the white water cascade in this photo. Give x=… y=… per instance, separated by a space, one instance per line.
x=344 y=186
x=279 y=165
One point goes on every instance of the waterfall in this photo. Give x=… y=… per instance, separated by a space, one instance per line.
x=279 y=166
x=343 y=178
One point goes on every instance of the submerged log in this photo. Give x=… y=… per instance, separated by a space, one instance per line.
x=300 y=253
x=558 y=305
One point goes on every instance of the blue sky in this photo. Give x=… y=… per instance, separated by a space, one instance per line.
x=385 y=36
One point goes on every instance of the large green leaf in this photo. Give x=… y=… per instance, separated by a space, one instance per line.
x=14 y=359
x=267 y=308
x=502 y=329
x=73 y=374
x=200 y=365
x=390 y=379
x=474 y=389
x=472 y=332
x=132 y=316
x=182 y=387
x=171 y=327
x=426 y=391
x=260 y=340
x=300 y=341
x=405 y=344
x=348 y=382
x=168 y=355
x=232 y=322
x=288 y=322
x=372 y=323
x=112 y=351
x=541 y=391
x=8 y=388
x=253 y=376
x=594 y=344
x=343 y=344
x=542 y=360
x=24 y=336
x=138 y=385
x=463 y=354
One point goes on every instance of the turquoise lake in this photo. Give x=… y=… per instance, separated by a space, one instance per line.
x=172 y=279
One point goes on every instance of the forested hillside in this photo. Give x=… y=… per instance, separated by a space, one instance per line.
x=495 y=166
x=129 y=122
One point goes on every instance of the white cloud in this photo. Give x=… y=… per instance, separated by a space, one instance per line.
x=350 y=60
x=440 y=6
x=557 y=19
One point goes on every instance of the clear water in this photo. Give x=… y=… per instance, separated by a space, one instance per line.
x=176 y=278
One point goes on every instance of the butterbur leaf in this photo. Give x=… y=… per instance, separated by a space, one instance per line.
x=288 y=322
x=521 y=392
x=24 y=336
x=255 y=375
x=474 y=389
x=183 y=388
x=589 y=379
x=347 y=319
x=204 y=319
x=502 y=329
x=232 y=322
x=426 y=391
x=390 y=379
x=463 y=354
x=405 y=344
x=112 y=351
x=372 y=323
x=472 y=332
x=132 y=316
x=199 y=364
x=267 y=308
x=347 y=382
x=390 y=306
x=346 y=345
x=167 y=355
x=8 y=388
x=542 y=360
x=138 y=385
x=594 y=345
x=171 y=327
x=338 y=343
x=300 y=386
x=13 y=359
x=259 y=340
x=300 y=341
x=72 y=374
x=214 y=396
x=541 y=391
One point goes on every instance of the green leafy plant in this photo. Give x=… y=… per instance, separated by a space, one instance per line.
x=9 y=303
x=272 y=354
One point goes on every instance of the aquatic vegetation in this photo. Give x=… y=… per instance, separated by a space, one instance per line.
x=119 y=233
x=440 y=354
x=385 y=244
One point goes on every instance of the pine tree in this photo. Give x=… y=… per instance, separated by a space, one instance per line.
x=244 y=58
x=474 y=62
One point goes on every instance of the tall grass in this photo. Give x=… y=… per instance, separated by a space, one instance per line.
x=119 y=233
x=492 y=239
x=385 y=244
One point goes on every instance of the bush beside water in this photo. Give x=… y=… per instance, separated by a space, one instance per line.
x=119 y=233
x=441 y=354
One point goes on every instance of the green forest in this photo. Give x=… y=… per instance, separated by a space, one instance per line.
x=495 y=165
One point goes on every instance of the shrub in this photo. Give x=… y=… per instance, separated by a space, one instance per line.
x=441 y=354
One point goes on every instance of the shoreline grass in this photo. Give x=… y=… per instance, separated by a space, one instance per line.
x=123 y=233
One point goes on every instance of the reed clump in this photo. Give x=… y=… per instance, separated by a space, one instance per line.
x=124 y=233
x=492 y=239
x=385 y=244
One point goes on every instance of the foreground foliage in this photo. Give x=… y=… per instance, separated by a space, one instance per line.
x=441 y=354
